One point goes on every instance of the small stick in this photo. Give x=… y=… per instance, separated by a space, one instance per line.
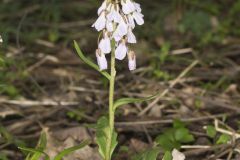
x=172 y=84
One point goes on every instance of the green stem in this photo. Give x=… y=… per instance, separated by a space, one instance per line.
x=111 y=102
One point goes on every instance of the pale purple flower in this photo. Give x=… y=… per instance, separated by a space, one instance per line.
x=131 y=61
x=131 y=21
x=100 y=22
x=105 y=44
x=127 y=6
x=101 y=60
x=114 y=15
x=109 y=26
x=131 y=37
x=121 y=50
x=138 y=17
x=102 y=7
x=137 y=7
x=116 y=21
x=121 y=31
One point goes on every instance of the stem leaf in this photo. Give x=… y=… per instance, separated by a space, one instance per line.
x=103 y=136
x=89 y=62
x=124 y=101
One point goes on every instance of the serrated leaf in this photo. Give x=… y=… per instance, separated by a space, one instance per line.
x=167 y=155
x=211 y=131
x=35 y=151
x=71 y=149
x=103 y=135
x=124 y=101
x=89 y=62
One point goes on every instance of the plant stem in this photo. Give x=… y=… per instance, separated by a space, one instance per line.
x=111 y=102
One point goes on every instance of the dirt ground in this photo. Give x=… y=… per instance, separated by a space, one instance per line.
x=191 y=61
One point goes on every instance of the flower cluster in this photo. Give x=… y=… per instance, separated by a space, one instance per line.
x=116 y=21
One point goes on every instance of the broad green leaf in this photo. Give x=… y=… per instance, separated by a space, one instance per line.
x=124 y=101
x=167 y=143
x=103 y=135
x=223 y=139
x=150 y=154
x=71 y=149
x=89 y=62
x=167 y=155
x=211 y=131
x=34 y=151
x=178 y=124
x=183 y=135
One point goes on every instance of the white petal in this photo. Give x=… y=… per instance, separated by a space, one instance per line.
x=101 y=60
x=131 y=61
x=131 y=37
x=122 y=28
x=117 y=17
x=138 y=18
x=178 y=155
x=116 y=36
x=1 y=40
x=105 y=45
x=131 y=21
x=137 y=7
x=109 y=26
x=128 y=7
x=121 y=51
x=102 y=7
x=100 y=22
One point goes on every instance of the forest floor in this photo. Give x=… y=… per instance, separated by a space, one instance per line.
x=45 y=86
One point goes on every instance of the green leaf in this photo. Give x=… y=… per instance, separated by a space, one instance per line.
x=182 y=135
x=223 y=139
x=71 y=149
x=41 y=146
x=178 y=124
x=35 y=151
x=124 y=101
x=103 y=135
x=167 y=155
x=211 y=131
x=89 y=62
x=151 y=154
x=167 y=140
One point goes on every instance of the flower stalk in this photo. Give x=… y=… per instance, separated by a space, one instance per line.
x=111 y=103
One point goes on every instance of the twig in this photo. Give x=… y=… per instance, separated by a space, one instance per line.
x=172 y=84
x=221 y=130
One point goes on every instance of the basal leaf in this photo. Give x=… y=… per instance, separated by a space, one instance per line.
x=124 y=101
x=70 y=150
x=102 y=134
x=89 y=62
